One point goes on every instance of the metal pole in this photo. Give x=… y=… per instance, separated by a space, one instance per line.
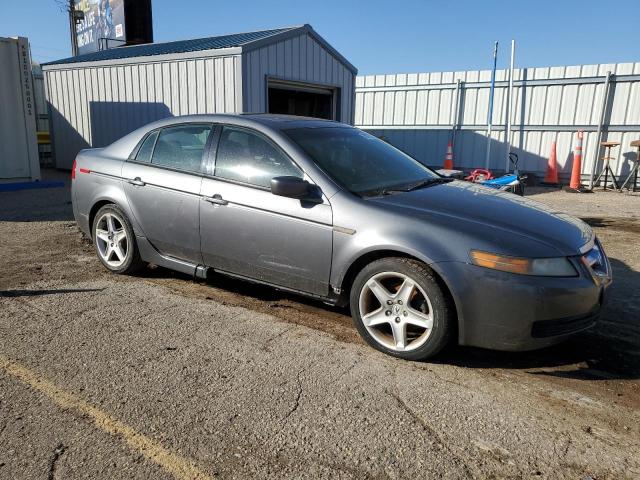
x=603 y=111
x=72 y=28
x=509 y=96
x=490 y=113
x=454 y=124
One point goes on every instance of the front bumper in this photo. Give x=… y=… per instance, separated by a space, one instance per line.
x=505 y=311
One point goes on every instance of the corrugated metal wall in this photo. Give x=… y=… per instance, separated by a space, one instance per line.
x=42 y=121
x=301 y=59
x=417 y=112
x=91 y=106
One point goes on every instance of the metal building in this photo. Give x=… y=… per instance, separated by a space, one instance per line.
x=18 y=147
x=98 y=97
x=420 y=113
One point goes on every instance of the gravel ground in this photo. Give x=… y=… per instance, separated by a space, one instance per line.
x=158 y=376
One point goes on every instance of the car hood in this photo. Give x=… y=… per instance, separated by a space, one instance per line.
x=470 y=203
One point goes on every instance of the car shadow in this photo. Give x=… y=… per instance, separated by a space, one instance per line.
x=37 y=293
x=609 y=350
x=243 y=288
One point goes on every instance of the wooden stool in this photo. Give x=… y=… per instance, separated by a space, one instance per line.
x=634 y=170
x=606 y=166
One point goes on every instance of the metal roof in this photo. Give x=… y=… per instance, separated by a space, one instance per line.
x=180 y=46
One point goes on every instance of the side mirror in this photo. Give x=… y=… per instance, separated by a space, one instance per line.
x=295 y=187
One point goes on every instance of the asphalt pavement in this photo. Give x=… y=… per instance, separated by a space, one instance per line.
x=159 y=376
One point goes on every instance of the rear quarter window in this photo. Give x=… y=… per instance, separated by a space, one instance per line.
x=146 y=149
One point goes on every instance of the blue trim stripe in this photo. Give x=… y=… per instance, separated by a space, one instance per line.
x=16 y=186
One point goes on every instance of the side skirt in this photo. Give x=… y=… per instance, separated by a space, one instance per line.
x=148 y=253
x=330 y=300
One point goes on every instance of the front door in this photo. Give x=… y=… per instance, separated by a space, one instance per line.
x=163 y=185
x=247 y=230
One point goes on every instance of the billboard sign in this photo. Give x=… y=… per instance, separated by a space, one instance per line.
x=103 y=25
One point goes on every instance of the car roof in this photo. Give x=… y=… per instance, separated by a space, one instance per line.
x=267 y=123
x=270 y=120
x=289 y=121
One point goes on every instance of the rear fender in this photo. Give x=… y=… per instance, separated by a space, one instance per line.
x=98 y=182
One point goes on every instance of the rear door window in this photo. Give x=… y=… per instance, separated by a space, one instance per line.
x=248 y=157
x=181 y=147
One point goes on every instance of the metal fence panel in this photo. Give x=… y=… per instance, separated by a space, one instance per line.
x=416 y=112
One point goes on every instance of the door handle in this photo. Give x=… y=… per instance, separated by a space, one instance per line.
x=216 y=199
x=137 y=182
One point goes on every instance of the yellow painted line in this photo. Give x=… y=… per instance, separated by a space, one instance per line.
x=180 y=467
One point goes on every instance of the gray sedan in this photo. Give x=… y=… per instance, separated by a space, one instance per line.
x=326 y=210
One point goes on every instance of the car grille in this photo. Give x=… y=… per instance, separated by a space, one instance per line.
x=563 y=326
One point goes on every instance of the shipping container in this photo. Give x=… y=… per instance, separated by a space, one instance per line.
x=18 y=145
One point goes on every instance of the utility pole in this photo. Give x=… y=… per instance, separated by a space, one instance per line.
x=490 y=113
x=71 y=9
x=507 y=136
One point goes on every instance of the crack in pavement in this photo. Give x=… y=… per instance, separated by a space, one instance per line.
x=425 y=426
x=57 y=453
x=296 y=404
x=345 y=372
x=565 y=449
x=432 y=432
x=266 y=345
x=298 y=396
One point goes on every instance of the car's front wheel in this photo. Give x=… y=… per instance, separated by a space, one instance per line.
x=400 y=309
x=115 y=242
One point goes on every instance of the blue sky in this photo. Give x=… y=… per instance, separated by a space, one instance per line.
x=391 y=36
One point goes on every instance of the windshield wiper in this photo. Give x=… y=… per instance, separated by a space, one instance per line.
x=415 y=186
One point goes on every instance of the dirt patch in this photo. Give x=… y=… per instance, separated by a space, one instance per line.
x=285 y=306
x=631 y=225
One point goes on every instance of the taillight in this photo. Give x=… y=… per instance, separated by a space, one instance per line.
x=73 y=170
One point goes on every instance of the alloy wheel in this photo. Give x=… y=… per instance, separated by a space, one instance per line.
x=112 y=240
x=396 y=311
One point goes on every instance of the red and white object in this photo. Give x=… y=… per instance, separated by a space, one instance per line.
x=576 y=169
x=448 y=158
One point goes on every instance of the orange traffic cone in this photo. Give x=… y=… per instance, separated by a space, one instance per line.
x=448 y=158
x=576 y=169
x=551 y=177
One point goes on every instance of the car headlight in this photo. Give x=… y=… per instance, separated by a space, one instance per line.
x=543 y=267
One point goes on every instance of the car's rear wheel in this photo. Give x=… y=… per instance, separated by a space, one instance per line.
x=115 y=242
x=400 y=309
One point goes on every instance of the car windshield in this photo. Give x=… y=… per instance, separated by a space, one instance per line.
x=360 y=162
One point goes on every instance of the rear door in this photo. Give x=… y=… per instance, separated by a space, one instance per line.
x=163 y=184
x=247 y=230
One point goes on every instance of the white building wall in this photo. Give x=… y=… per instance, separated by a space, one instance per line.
x=302 y=59
x=93 y=105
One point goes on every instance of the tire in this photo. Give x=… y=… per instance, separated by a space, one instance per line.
x=114 y=241
x=425 y=321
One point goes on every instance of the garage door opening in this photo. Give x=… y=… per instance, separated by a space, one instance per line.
x=302 y=99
